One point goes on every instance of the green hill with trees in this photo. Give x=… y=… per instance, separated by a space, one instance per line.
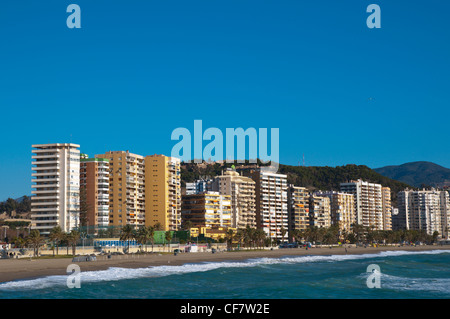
x=313 y=177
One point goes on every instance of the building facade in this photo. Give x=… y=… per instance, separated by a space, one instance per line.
x=55 y=200
x=163 y=192
x=387 y=208
x=208 y=209
x=94 y=191
x=197 y=187
x=424 y=210
x=241 y=189
x=126 y=188
x=368 y=203
x=271 y=201
x=342 y=207
x=298 y=208
x=319 y=211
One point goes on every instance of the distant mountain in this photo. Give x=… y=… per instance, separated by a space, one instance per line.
x=418 y=174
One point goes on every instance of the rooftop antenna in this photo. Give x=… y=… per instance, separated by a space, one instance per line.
x=303 y=159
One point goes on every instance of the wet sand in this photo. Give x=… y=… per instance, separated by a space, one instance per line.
x=17 y=269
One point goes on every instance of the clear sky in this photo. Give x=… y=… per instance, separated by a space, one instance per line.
x=338 y=91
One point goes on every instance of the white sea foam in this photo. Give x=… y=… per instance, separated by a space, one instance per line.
x=117 y=273
x=439 y=285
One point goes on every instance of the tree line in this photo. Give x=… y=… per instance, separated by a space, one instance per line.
x=57 y=238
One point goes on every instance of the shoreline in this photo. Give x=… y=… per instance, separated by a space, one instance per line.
x=23 y=269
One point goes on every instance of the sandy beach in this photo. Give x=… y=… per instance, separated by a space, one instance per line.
x=17 y=269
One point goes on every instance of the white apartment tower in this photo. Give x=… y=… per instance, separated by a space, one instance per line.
x=55 y=181
x=424 y=210
x=271 y=201
x=368 y=203
x=242 y=192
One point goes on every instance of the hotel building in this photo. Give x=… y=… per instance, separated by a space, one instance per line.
x=126 y=188
x=163 y=192
x=241 y=189
x=298 y=208
x=271 y=201
x=55 y=200
x=209 y=209
x=94 y=190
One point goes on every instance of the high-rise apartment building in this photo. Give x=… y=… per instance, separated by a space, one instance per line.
x=208 y=209
x=424 y=210
x=56 y=183
x=319 y=211
x=271 y=201
x=241 y=189
x=387 y=208
x=342 y=209
x=368 y=202
x=126 y=188
x=445 y=213
x=94 y=190
x=163 y=192
x=298 y=208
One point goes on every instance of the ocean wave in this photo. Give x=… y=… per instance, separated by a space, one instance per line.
x=118 y=273
x=413 y=284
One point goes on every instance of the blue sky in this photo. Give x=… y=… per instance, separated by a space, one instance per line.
x=338 y=91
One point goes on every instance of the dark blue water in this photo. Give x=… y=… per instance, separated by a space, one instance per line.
x=402 y=275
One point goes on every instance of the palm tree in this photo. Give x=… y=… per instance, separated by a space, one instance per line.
x=143 y=236
x=260 y=236
x=151 y=235
x=239 y=236
x=359 y=231
x=73 y=238
x=229 y=238
x=168 y=237
x=297 y=235
x=35 y=240
x=248 y=236
x=187 y=225
x=19 y=242
x=127 y=234
x=56 y=235
x=435 y=236
x=283 y=232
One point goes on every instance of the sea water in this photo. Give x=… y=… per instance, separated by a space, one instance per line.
x=403 y=274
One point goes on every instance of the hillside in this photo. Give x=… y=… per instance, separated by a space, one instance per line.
x=20 y=206
x=418 y=174
x=312 y=177
x=329 y=178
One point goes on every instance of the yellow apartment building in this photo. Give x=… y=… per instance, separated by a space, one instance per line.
x=209 y=209
x=126 y=188
x=163 y=192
